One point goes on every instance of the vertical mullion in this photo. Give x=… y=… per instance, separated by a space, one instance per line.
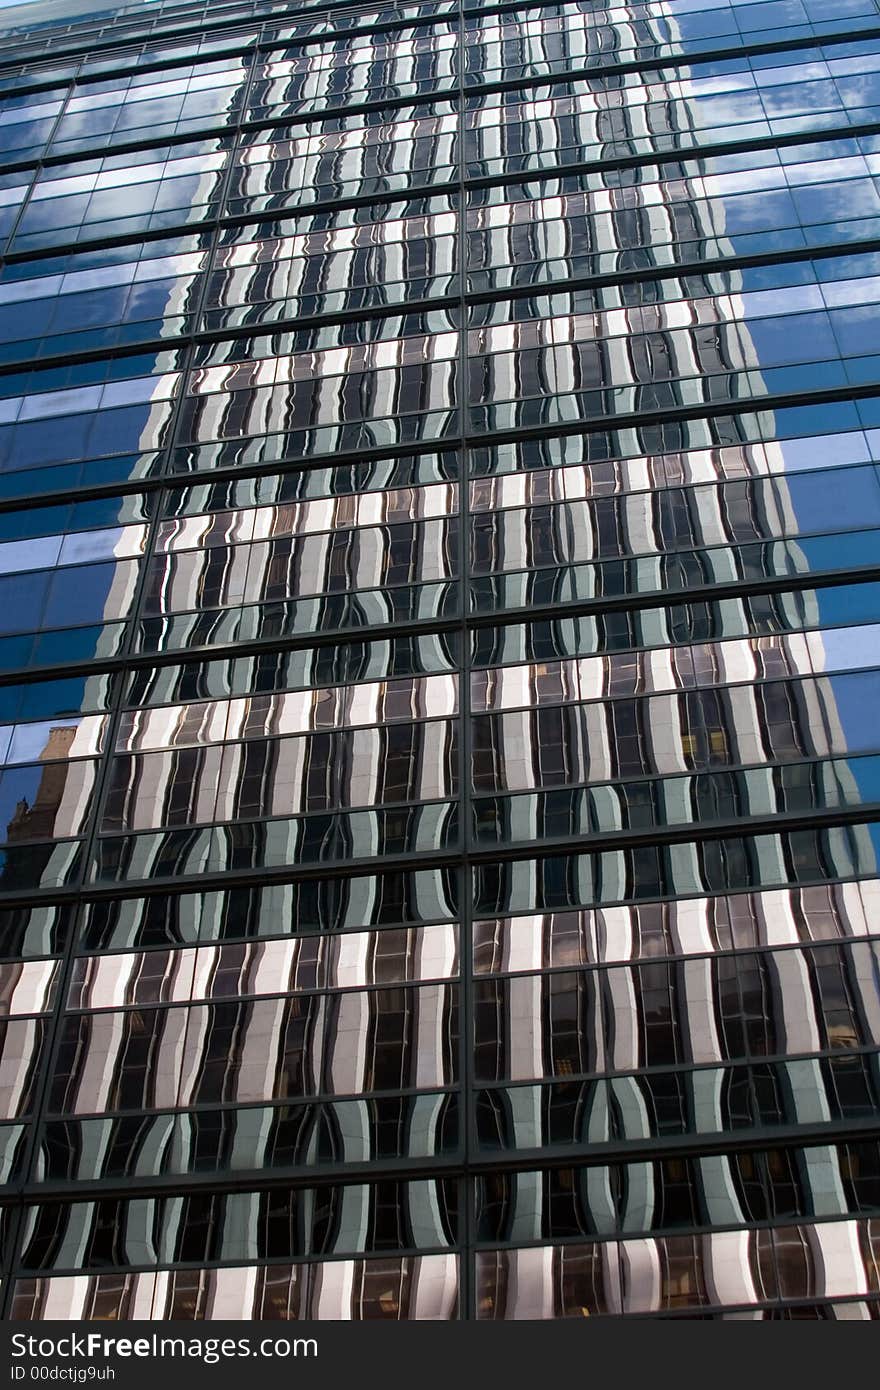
x=468 y=1308
x=55 y=1020
x=41 y=162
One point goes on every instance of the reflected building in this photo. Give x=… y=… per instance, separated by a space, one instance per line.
x=440 y=641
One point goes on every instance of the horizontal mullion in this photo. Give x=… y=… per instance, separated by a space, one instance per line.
x=68 y=1012
x=299 y=1176
x=500 y=618
x=87 y=45
x=447 y=95
x=82 y=952
x=294 y=1102
x=267 y=46
x=473 y=1165
x=790 y=679
x=260 y=1262
x=661 y=835
x=457 y=857
x=291 y=323
x=599 y=165
x=717 y=1312
x=329 y=1098
x=665 y=958
x=231 y=220
x=597 y=424
x=694 y=1230
x=380 y=312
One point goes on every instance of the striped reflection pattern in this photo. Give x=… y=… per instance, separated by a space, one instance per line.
x=440 y=660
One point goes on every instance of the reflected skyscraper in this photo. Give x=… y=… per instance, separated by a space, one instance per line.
x=439 y=660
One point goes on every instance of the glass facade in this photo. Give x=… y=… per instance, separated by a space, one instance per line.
x=440 y=660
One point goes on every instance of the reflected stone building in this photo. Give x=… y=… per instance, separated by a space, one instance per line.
x=439 y=655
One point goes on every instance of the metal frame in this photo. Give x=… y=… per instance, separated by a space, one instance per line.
x=469 y=1163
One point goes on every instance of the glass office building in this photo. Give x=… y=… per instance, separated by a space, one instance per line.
x=440 y=648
